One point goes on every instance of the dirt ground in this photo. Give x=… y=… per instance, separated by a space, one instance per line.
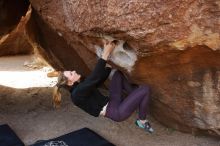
x=25 y=104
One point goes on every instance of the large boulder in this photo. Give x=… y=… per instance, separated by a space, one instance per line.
x=174 y=46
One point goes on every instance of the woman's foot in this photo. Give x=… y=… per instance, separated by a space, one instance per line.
x=146 y=126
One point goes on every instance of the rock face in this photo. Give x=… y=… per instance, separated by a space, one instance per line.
x=174 y=46
x=11 y=12
x=12 y=27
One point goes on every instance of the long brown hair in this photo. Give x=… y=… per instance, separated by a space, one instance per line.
x=62 y=82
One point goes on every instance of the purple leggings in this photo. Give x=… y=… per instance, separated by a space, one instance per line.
x=119 y=108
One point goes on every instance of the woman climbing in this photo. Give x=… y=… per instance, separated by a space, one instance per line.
x=85 y=93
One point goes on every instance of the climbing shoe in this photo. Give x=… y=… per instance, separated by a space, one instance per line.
x=146 y=126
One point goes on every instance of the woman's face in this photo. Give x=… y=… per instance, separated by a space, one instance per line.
x=72 y=77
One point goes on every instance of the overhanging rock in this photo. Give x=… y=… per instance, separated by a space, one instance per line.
x=174 y=46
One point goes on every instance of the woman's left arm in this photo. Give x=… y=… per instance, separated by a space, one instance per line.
x=100 y=71
x=99 y=74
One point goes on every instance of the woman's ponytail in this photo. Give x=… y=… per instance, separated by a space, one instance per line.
x=56 y=97
x=62 y=81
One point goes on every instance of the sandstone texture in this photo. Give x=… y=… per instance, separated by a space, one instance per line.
x=172 y=45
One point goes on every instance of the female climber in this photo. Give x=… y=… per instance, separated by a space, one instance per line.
x=85 y=93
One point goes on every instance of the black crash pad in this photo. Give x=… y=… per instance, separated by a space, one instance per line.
x=82 y=137
x=8 y=137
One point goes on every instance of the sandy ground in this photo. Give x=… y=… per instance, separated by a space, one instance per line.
x=25 y=104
